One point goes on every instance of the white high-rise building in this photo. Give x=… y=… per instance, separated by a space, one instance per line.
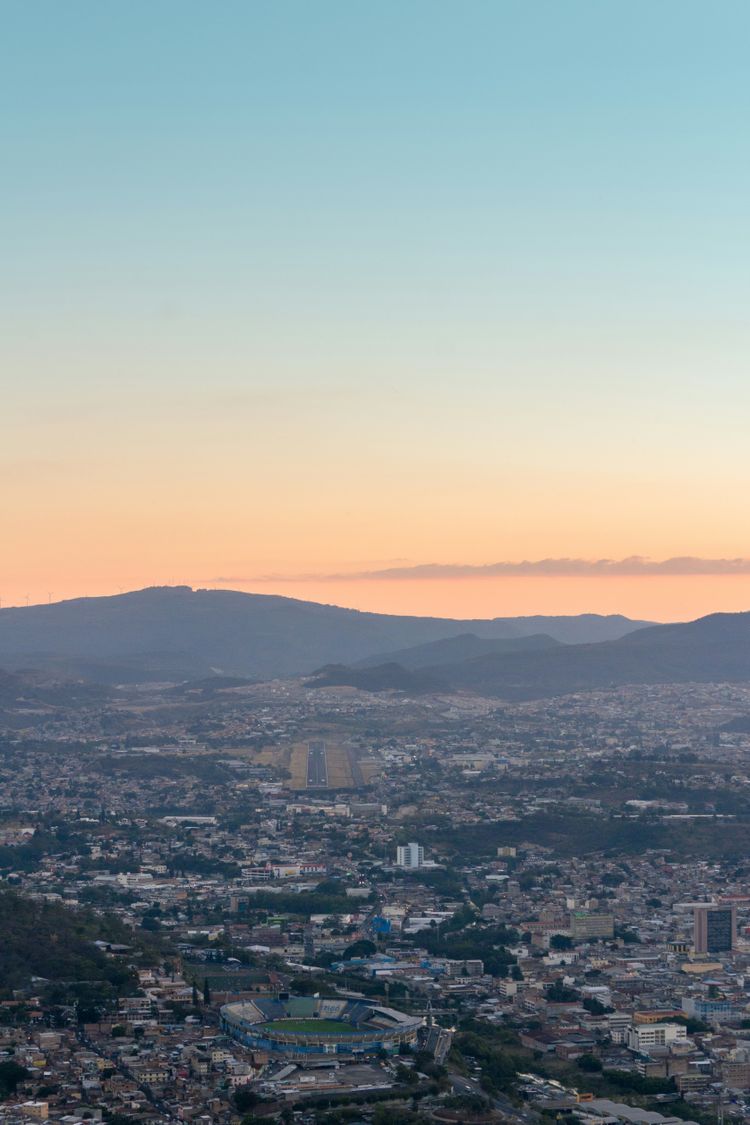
x=409 y=855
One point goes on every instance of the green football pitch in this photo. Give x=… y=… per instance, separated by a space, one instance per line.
x=309 y=1027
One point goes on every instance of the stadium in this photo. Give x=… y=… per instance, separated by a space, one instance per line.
x=306 y=1026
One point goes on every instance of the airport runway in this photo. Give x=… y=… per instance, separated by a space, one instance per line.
x=317 y=770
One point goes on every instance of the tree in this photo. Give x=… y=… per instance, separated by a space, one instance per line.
x=406 y=1074
x=391 y=1115
x=560 y=941
x=206 y=991
x=330 y=887
x=363 y=948
x=244 y=1099
x=591 y=1004
x=589 y=1063
x=559 y=993
x=10 y=1076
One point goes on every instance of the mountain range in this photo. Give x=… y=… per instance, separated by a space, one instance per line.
x=176 y=633
x=713 y=649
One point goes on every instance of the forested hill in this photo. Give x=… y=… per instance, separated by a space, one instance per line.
x=57 y=943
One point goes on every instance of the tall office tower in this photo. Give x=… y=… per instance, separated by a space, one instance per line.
x=714 y=928
x=409 y=855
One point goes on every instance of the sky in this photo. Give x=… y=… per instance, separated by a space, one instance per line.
x=309 y=298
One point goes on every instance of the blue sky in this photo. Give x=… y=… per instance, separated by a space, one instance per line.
x=483 y=248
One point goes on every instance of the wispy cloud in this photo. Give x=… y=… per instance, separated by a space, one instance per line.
x=633 y=566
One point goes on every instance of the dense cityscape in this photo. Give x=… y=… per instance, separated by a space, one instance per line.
x=236 y=902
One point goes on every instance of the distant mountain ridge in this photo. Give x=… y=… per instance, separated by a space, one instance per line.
x=176 y=633
x=713 y=649
x=465 y=646
x=218 y=638
x=381 y=677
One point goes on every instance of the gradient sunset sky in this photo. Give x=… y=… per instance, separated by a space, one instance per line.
x=299 y=297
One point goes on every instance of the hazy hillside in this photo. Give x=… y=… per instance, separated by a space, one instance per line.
x=177 y=633
x=382 y=677
x=34 y=688
x=12 y=688
x=451 y=650
x=711 y=649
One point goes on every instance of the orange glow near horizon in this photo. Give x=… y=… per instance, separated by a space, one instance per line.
x=653 y=598
x=647 y=598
